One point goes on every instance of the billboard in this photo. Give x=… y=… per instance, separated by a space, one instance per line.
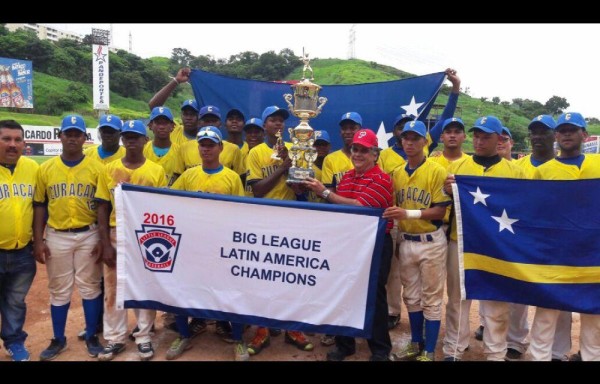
x=100 y=77
x=591 y=144
x=44 y=140
x=16 y=83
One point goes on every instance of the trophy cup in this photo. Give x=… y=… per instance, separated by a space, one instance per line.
x=306 y=97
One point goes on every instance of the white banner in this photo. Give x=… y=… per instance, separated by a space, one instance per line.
x=100 y=76
x=255 y=261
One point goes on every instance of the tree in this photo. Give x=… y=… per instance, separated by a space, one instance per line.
x=505 y=104
x=483 y=99
x=496 y=100
x=181 y=57
x=556 y=105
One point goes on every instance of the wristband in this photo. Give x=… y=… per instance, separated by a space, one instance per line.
x=413 y=213
x=175 y=80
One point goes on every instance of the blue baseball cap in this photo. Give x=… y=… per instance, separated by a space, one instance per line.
x=322 y=136
x=573 y=118
x=274 y=110
x=190 y=103
x=254 y=122
x=161 y=111
x=211 y=133
x=402 y=117
x=235 y=112
x=352 y=116
x=417 y=127
x=111 y=121
x=210 y=110
x=134 y=126
x=73 y=122
x=507 y=131
x=488 y=124
x=545 y=121
x=453 y=121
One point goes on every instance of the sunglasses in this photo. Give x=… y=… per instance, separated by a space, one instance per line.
x=356 y=149
x=208 y=133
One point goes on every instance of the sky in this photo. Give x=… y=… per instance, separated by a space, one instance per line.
x=528 y=61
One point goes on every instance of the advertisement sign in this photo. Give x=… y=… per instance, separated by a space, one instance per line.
x=591 y=144
x=16 y=83
x=100 y=76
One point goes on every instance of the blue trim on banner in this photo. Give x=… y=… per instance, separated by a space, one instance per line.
x=366 y=211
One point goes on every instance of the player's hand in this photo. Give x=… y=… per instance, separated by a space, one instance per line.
x=453 y=78
x=183 y=75
x=41 y=252
x=395 y=213
x=109 y=256
x=448 y=184
x=314 y=185
x=97 y=252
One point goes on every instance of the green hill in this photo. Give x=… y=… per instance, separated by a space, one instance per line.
x=50 y=90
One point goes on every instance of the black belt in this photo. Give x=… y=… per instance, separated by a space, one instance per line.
x=416 y=237
x=75 y=230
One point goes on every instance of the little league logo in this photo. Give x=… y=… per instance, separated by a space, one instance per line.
x=158 y=245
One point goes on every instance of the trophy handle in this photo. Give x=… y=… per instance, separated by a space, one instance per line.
x=288 y=98
x=322 y=101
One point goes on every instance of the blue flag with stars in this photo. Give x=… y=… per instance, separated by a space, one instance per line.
x=377 y=103
x=533 y=242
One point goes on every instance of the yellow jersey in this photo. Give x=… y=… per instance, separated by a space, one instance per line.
x=231 y=156
x=17 y=190
x=93 y=153
x=420 y=190
x=260 y=165
x=334 y=166
x=69 y=192
x=445 y=163
x=171 y=161
x=149 y=174
x=178 y=136
x=556 y=170
x=223 y=181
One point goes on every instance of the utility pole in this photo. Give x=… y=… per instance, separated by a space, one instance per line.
x=352 y=43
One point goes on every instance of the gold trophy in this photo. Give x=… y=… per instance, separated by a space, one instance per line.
x=306 y=97
x=278 y=146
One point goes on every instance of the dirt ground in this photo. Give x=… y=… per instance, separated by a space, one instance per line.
x=207 y=346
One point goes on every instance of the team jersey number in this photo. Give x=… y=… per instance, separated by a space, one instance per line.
x=156 y=219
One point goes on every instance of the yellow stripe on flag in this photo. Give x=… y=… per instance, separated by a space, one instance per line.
x=533 y=273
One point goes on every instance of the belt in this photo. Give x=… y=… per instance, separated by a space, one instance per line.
x=75 y=230
x=419 y=238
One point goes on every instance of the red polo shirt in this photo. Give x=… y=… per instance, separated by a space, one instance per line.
x=372 y=189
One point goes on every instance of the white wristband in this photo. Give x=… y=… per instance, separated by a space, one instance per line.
x=413 y=213
x=175 y=80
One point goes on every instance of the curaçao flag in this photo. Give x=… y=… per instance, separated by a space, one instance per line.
x=377 y=103
x=533 y=242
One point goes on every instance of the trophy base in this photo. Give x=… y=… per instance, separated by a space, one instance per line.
x=298 y=175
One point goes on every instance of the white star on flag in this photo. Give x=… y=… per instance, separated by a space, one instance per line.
x=479 y=197
x=505 y=222
x=383 y=136
x=412 y=109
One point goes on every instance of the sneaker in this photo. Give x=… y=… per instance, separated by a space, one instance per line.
x=197 y=327
x=145 y=351
x=93 y=346
x=53 y=350
x=18 y=352
x=327 y=340
x=338 y=355
x=241 y=352
x=178 y=346
x=110 y=351
x=426 y=356
x=261 y=340
x=575 y=357
x=299 y=340
x=479 y=333
x=393 y=321
x=223 y=330
x=137 y=329
x=410 y=352
x=512 y=355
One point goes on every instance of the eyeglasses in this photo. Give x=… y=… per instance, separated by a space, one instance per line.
x=357 y=149
x=207 y=133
